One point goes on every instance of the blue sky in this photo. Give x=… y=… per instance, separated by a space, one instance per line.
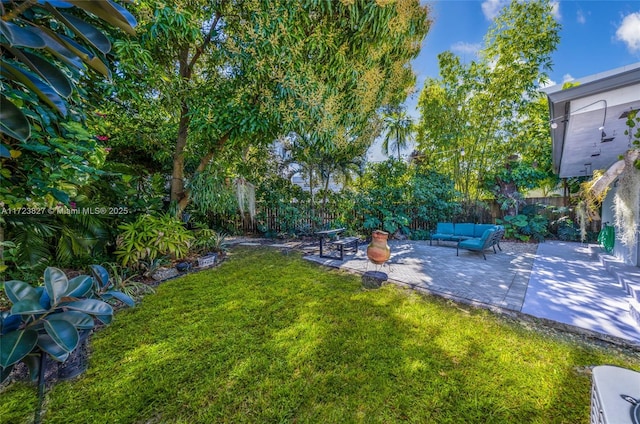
x=596 y=36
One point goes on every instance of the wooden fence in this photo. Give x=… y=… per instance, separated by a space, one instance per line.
x=271 y=220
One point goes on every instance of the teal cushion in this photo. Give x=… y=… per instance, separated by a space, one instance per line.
x=464 y=229
x=487 y=234
x=473 y=244
x=479 y=229
x=444 y=228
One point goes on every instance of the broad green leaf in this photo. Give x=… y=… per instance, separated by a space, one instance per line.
x=36 y=147
x=51 y=74
x=101 y=275
x=57 y=3
x=9 y=322
x=5 y=372
x=63 y=333
x=88 y=32
x=58 y=49
x=46 y=343
x=79 y=286
x=13 y=122
x=110 y=12
x=32 y=362
x=90 y=306
x=16 y=345
x=105 y=319
x=19 y=290
x=42 y=90
x=79 y=319
x=87 y=57
x=59 y=195
x=55 y=283
x=27 y=307
x=124 y=298
x=21 y=36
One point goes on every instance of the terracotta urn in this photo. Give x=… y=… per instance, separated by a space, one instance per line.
x=378 y=250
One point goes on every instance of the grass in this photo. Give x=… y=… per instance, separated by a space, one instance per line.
x=267 y=337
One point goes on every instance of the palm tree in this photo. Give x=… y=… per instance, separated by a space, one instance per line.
x=399 y=128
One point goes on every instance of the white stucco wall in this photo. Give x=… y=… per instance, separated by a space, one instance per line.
x=627 y=254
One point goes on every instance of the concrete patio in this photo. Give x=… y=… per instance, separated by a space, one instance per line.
x=569 y=283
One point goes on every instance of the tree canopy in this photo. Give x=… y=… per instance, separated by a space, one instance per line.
x=490 y=107
x=213 y=76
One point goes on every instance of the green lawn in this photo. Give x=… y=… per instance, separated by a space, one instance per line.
x=268 y=337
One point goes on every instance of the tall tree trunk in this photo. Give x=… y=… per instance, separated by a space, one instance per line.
x=204 y=161
x=177 y=175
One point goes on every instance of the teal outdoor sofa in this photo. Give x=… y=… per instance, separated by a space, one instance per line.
x=448 y=231
x=489 y=239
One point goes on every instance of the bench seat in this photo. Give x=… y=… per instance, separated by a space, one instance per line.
x=346 y=243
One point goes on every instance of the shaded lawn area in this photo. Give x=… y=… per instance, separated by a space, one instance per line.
x=268 y=337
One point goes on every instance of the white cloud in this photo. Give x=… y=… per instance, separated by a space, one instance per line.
x=629 y=32
x=466 y=48
x=555 y=10
x=580 y=17
x=491 y=8
x=567 y=78
x=547 y=83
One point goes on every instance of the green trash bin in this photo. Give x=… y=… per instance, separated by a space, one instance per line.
x=607 y=237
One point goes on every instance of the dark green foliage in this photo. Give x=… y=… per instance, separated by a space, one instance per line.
x=526 y=226
x=292 y=206
x=150 y=237
x=47 y=319
x=566 y=229
x=391 y=194
x=47 y=49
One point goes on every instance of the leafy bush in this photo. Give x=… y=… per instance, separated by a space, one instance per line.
x=48 y=319
x=391 y=194
x=149 y=237
x=523 y=227
x=208 y=240
x=566 y=229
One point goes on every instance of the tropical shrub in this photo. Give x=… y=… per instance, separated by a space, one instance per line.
x=525 y=227
x=112 y=277
x=290 y=203
x=208 y=240
x=391 y=194
x=47 y=319
x=149 y=237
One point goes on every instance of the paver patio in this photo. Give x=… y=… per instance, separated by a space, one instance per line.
x=559 y=281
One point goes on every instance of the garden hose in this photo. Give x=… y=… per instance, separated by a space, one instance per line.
x=607 y=237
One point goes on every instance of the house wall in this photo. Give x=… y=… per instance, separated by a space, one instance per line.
x=630 y=255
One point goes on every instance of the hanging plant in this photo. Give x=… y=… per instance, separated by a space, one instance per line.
x=590 y=201
x=627 y=203
x=246 y=196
